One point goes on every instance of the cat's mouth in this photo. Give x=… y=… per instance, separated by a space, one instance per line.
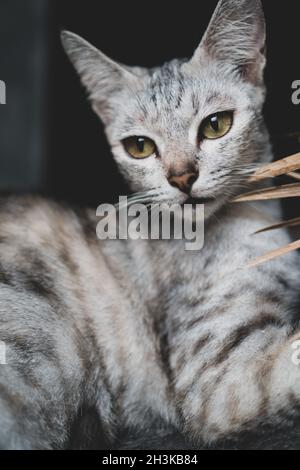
x=198 y=201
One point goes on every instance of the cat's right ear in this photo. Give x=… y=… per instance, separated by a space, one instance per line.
x=236 y=37
x=101 y=76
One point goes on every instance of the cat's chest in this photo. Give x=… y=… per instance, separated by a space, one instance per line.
x=178 y=279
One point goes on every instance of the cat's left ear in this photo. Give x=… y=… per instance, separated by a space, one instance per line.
x=102 y=77
x=236 y=37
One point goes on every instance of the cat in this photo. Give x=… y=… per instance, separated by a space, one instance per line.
x=193 y=348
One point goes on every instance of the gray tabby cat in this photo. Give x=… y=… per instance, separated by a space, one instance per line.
x=143 y=331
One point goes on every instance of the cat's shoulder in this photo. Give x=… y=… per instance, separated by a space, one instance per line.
x=244 y=225
x=250 y=218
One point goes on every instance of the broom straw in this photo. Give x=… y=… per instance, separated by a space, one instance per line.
x=287 y=166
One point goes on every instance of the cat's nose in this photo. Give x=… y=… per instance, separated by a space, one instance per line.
x=184 y=182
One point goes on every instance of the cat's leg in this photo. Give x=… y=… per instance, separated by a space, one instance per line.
x=233 y=360
x=161 y=437
x=245 y=382
x=44 y=363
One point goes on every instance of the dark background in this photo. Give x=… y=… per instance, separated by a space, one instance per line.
x=51 y=142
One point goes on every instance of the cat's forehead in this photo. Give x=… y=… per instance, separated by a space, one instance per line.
x=171 y=99
x=173 y=90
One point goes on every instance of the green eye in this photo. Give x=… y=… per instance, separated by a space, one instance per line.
x=140 y=147
x=216 y=126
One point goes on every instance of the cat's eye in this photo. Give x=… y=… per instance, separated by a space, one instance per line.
x=216 y=126
x=140 y=147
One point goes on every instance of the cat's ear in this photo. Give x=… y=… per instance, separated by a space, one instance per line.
x=236 y=36
x=101 y=76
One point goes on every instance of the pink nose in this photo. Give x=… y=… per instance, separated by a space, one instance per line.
x=184 y=182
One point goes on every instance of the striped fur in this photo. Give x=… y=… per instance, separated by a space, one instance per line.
x=184 y=349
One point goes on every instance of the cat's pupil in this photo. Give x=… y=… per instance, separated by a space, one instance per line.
x=141 y=145
x=214 y=122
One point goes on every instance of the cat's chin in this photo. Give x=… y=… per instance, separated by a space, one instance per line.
x=211 y=205
x=199 y=201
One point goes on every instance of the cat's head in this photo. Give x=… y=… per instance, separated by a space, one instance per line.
x=191 y=128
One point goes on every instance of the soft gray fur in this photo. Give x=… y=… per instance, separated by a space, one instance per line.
x=146 y=332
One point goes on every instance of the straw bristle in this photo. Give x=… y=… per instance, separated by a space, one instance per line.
x=275 y=254
x=279 y=168
x=294 y=175
x=285 y=224
x=289 y=167
x=279 y=192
